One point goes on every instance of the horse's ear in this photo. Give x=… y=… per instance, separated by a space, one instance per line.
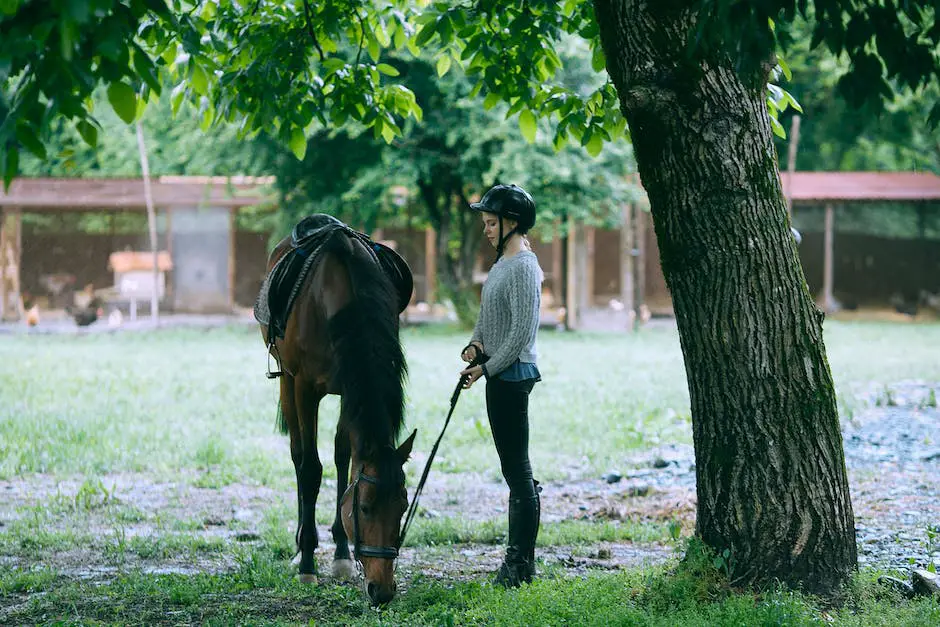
x=404 y=450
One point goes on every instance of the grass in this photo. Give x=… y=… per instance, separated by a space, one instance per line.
x=260 y=592
x=197 y=401
x=192 y=410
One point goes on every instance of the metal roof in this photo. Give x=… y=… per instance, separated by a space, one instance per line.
x=37 y=194
x=816 y=187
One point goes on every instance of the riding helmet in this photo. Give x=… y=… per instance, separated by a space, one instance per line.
x=509 y=201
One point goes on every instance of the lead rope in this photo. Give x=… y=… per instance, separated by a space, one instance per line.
x=413 y=508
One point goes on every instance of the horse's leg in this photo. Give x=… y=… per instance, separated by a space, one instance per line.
x=292 y=421
x=343 y=567
x=307 y=401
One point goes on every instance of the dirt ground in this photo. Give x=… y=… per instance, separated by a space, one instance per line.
x=893 y=455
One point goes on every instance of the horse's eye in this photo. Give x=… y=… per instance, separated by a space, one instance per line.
x=365 y=509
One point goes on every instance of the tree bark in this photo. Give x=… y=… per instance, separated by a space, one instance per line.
x=770 y=470
x=458 y=239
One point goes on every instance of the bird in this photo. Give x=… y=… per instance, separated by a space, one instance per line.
x=85 y=316
x=32 y=316
x=115 y=319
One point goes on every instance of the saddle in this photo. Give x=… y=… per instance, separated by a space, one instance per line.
x=308 y=239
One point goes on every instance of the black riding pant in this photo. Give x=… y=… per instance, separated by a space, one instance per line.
x=507 y=405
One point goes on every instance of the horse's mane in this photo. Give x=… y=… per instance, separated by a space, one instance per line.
x=368 y=361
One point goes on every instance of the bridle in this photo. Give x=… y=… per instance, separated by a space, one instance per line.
x=361 y=550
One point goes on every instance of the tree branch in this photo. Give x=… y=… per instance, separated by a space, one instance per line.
x=312 y=34
x=362 y=35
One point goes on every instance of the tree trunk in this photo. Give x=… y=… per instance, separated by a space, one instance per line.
x=770 y=469
x=458 y=239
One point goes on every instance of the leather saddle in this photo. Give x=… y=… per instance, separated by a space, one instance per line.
x=308 y=240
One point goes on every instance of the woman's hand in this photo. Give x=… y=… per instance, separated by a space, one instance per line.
x=472 y=351
x=472 y=375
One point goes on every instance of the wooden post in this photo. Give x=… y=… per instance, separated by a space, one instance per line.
x=168 y=290
x=588 y=289
x=11 y=253
x=232 y=245
x=571 y=298
x=791 y=161
x=627 y=246
x=640 y=229
x=828 y=300
x=557 y=254
x=430 y=266
x=151 y=223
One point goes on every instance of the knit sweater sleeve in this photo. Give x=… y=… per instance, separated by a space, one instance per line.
x=478 y=328
x=524 y=297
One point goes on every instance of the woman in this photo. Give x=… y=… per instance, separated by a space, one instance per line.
x=503 y=346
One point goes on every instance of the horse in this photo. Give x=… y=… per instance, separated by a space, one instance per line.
x=341 y=336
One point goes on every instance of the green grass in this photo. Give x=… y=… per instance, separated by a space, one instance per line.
x=196 y=400
x=193 y=409
x=261 y=591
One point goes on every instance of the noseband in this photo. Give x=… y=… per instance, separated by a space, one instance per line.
x=361 y=550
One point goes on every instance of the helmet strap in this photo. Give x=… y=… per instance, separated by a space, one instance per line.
x=501 y=242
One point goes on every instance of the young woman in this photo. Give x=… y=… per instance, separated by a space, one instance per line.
x=503 y=344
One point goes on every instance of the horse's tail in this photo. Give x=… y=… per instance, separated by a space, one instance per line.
x=368 y=362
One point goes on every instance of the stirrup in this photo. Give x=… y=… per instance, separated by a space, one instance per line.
x=275 y=373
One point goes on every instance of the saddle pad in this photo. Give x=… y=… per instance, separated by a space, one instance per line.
x=276 y=297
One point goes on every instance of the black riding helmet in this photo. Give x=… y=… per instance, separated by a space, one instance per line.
x=508 y=201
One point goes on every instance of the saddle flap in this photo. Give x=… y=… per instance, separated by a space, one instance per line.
x=397 y=271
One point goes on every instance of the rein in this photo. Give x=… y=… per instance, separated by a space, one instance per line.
x=413 y=508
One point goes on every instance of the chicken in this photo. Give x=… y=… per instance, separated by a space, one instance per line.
x=903 y=305
x=32 y=316
x=85 y=316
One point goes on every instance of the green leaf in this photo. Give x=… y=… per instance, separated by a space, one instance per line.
x=425 y=34
x=9 y=7
x=388 y=133
x=176 y=97
x=443 y=64
x=399 y=38
x=595 y=144
x=777 y=128
x=788 y=97
x=332 y=64
x=598 y=60
x=123 y=100
x=28 y=139
x=387 y=69
x=381 y=36
x=89 y=132
x=146 y=70
x=375 y=51
x=785 y=68
x=199 y=79
x=298 y=143
x=528 y=125
x=491 y=100
x=11 y=163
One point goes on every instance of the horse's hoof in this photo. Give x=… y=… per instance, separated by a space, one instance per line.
x=344 y=569
x=308 y=578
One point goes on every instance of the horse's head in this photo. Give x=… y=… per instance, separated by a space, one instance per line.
x=373 y=507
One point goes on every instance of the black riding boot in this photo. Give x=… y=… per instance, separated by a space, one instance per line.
x=519 y=565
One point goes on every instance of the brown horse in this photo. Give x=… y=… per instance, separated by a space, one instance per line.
x=341 y=337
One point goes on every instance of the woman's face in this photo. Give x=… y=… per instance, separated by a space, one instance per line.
x=491 y=227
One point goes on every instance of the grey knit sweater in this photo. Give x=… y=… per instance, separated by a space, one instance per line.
x=509 y=312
